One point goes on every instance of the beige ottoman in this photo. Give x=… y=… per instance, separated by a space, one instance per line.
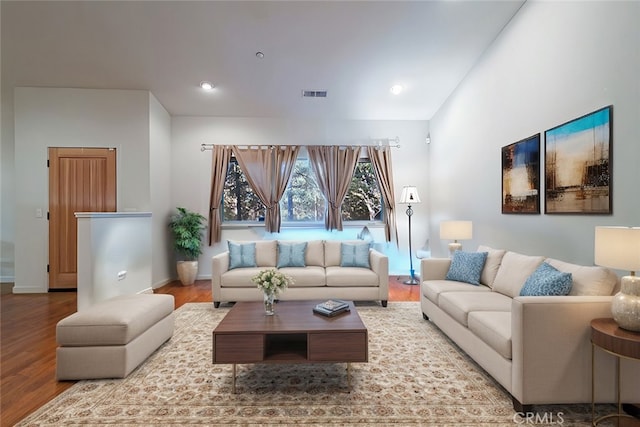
x=111 y=338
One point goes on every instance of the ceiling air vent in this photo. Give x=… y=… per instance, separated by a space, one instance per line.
x=314 y=93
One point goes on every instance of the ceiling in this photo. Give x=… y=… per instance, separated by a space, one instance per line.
x=355 y=50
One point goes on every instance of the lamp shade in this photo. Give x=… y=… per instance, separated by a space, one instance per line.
x=456 y=230
x=618 y=247
x=409 y=195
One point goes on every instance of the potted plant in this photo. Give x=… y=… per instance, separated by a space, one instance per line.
x=187 y=228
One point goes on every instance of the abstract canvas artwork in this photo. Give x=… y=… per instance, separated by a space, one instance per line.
x=521 y=176
x=578 y=165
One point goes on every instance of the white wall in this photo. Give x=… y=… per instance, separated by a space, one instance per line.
x=160 y=188
x=7 y=189
x=47 y=117
x=6 y=184
x=114 y=256
x=554 y=62
x=191 y=170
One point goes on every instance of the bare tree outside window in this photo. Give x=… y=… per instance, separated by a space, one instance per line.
x=239 y=202
x=363 y=201
x=302 y=200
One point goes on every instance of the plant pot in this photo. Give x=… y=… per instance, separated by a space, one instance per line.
x=187 y=272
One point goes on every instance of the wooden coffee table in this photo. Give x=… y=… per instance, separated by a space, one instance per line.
x=293 y=335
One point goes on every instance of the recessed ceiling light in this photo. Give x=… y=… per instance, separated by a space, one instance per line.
x=205 y=85
x=396 y=89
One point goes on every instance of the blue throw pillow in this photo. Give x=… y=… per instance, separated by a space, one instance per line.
x=291 y=254
x=354 y=255
x=242 y=255
x=467 y=267
x=547 y=280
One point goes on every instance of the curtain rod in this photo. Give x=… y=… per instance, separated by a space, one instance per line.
x=379 y=142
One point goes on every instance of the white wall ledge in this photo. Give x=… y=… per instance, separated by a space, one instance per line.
x=112 y=214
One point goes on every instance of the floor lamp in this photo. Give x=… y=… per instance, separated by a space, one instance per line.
x=409 y=196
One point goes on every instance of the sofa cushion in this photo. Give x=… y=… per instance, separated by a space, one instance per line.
x=354 y=255
x=587 y=280
x=291 y=254
x=266 y=253
x=242 y=255
x=315 y=253
x=351 y=276
x=494 y=328
x=432 y=289
x=491 y=265
x=546 y=281
x=115 y=321
x=466 y=267
x=514 y=271
x=305 y=277
x=459 y=304
x=239 y=277
x=332 y=251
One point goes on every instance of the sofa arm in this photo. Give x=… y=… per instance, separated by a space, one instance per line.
x=380 y=265
x=219 y=265
x=551 y=347
x=434 y=268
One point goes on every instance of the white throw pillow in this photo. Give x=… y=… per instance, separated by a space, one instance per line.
x=587 y=280
x=514 y=270
x=491 y=266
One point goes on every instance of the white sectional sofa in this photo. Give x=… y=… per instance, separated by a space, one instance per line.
x=320 y=276
x=537 y=347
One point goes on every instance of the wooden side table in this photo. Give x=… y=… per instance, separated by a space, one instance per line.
x=609 y=337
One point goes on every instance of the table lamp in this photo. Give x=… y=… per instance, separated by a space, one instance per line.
x=456 y=230
x=619 y=248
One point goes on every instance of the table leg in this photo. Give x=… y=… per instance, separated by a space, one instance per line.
x=233 y=384
x=593 y=386
x=349 y=376
x=618 y=386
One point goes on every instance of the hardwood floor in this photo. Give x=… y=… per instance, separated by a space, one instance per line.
x=28 y=331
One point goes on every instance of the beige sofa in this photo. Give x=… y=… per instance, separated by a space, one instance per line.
x=537 y=347
x=322 y=277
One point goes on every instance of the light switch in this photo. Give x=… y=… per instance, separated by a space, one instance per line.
x=39 y=213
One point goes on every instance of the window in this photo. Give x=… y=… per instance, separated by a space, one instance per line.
x=363 y=201
x=239 y=202
x=302 y=200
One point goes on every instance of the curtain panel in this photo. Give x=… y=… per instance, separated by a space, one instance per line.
x=333 y=166
x=267 y=170
x=219 y=166
x=381 y=160
x=284 y=161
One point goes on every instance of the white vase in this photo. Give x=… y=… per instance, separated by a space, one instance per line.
x=187 y=272
x=625 y=306
x=269 y=308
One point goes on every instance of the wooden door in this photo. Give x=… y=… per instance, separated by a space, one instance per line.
x=80 y=180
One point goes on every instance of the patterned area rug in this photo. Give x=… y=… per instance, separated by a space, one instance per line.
x=415 y=376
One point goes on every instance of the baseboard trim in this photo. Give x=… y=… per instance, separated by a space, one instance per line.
x=29 y=290
x=161 y=283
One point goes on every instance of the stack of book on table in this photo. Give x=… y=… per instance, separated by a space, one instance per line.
x=331 y=307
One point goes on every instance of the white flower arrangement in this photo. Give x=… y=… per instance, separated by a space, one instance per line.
x=272 y=281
